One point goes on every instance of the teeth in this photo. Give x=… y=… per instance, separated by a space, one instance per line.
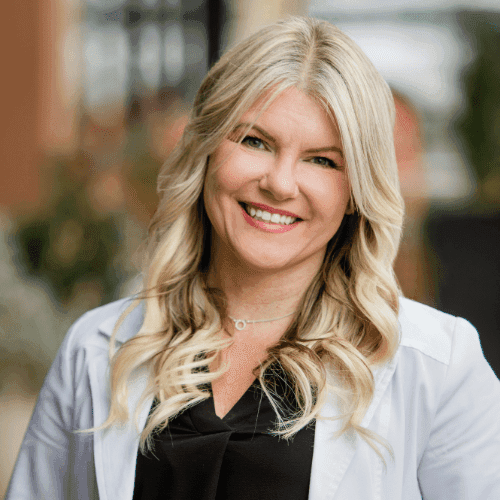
x=268 y=217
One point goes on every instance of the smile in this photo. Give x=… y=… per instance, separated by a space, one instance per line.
x=258 y=222
x=268 y=217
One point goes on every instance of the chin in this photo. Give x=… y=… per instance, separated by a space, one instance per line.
x=267 y=263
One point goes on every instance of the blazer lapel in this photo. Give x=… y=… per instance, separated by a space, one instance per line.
x=332 y=455
x=115 y=448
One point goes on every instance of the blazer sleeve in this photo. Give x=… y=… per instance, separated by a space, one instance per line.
x=54 y=462
x=462 y=457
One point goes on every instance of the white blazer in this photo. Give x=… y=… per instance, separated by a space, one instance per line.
x=437 y=403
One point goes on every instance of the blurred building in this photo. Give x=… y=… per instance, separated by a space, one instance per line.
x=420 y=51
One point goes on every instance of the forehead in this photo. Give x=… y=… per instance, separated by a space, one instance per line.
x=293 y=111
x=276 y=93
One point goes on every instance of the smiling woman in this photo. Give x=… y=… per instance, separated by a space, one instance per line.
x=270 y=354
x=276 y=170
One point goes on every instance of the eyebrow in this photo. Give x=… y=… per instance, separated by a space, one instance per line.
x=270 y=138
x=249 y=127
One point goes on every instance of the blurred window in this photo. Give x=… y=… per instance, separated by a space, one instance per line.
x=143 y=48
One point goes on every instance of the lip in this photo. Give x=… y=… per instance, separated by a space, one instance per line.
x=269 y=228
x=271 y=209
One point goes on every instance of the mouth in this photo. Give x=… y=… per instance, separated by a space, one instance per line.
x=268 y=217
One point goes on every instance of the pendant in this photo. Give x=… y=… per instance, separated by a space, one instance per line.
x=240 y=324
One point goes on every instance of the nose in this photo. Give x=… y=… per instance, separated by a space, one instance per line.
x=279 y=180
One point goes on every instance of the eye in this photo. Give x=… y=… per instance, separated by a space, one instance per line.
x=253 y=142
x=325 y=162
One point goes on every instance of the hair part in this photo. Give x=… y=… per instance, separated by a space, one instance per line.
x=347 y=319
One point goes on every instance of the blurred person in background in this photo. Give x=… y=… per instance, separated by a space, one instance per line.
x=271 y=353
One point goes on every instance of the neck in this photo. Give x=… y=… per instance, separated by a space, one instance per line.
x=259 y=293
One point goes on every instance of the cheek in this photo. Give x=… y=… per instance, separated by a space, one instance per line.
x=220 y=183
x=332 y=196
x=218 y=172
x=227 y=179
x=215 y=184
x=234 y=173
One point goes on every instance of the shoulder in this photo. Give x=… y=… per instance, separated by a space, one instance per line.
x=452 y=397
x=433 y=333
x=96 y=326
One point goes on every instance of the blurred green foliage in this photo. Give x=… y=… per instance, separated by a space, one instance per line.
x=70 y=242
x=141 y=167
x=479 y=125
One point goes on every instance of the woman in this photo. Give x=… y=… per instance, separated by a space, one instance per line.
x=270 y=355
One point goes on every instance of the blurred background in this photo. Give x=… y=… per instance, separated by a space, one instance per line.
x=95 y=94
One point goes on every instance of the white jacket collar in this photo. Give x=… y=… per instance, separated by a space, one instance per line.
x=131 y=324
x=332 y=455
x=331 y=458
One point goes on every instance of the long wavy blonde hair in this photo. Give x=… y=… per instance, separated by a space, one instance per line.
x=347 y=320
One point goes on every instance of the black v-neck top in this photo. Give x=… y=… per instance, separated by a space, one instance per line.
x=200 y=456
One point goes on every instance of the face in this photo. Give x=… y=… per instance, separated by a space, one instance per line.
x=277 y=198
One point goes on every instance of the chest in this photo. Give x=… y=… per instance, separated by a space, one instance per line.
x=242 y=359
x=213 y=458
x=337 y=464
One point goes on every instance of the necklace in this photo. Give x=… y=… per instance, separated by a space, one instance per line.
x=240 y=324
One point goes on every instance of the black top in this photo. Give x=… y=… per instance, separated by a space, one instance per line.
x=200 y=456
